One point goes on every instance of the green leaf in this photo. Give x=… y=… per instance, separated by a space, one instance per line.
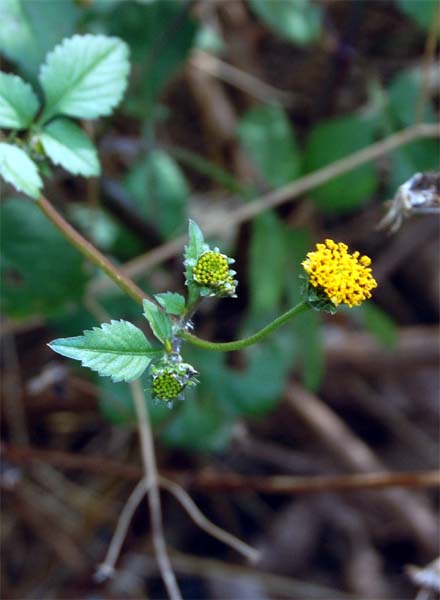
x=421 y=12
x=338 y=138
x=161 y=192
x=29 y=29
x=267 y=264
x=159 y=321
x=117 y=349
x=196 y=241
x=18 y=102
x=268 y=138
x=297 y=21
x=116 y=404
x=379 y=324
x=67 y=145
x=85 y=76
x=421 y=155
x=196 y=246
x=307 y=326
x=19 y=170
x=173 y=303
x=42 y=274
x=200 y=424
x=160 y=35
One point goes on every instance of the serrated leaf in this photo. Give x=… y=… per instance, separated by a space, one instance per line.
x=117 y=349
x=173 y=303
x=297 y=21
x=18 y=102
x=85 y=76
x=338 y=138
x=267 y=136
x=67 y=145
x=19 y=170
x=30 y=29
x=41 y=272
x=159 y=322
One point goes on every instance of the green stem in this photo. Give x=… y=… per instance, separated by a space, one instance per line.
x=249 y=341
x=90 y=252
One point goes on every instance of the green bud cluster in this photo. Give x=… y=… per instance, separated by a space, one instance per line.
x=170 y=378
x=166 y=386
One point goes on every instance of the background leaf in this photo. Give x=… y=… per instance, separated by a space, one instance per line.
x=421 y=12
x=297 y=21
x=117 y=349
x=85 y=76
x=18 y=102
x=269 y=140
x=338 y=138
x=161 y=192
x=160 y=35
x=29 y=29
x=67 y=145
x=267 y=264
x=19 y=170
x=41 y=272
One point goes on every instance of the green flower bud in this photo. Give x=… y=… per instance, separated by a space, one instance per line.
x=166 y=386
x=212 y=269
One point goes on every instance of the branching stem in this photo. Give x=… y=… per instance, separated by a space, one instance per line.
x=90 y=252
x=249 y=341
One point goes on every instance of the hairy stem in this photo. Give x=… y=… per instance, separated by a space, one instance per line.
x=90 y=252
x=152 y=481
x=249 y=341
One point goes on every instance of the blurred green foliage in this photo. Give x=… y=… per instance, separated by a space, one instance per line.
x=161 y=35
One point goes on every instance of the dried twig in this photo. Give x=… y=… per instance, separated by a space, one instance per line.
x=220 y=481
x=149 y=460
x=107 y=568
x=199 y=518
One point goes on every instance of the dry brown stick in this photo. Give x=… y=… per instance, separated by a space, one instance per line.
x=152 y=483
x=219 y=481
x=143 y=263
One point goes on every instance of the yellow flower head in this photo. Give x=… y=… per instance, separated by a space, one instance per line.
x=344 y=278
x=166 y=386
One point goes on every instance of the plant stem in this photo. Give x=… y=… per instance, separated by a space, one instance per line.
x=90 y=252
x=249 y=341
x=152 y=481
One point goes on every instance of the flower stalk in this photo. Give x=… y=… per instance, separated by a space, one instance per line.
x=249 y=341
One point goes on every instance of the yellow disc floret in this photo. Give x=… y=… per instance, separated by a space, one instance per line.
x=212 y=269
x=345 y=278
x=166 y=386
